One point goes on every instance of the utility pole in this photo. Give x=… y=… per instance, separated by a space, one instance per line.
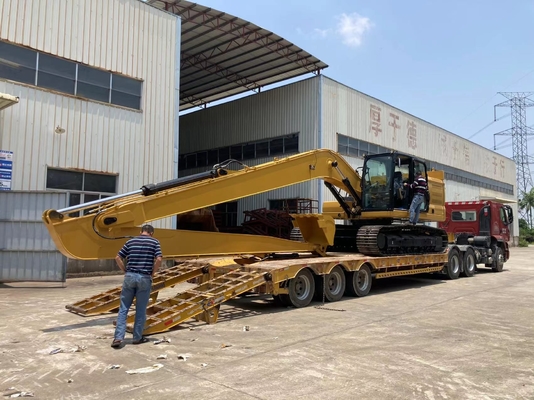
x=518 y=103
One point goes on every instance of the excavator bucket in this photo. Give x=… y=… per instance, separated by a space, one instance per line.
x=316 y=228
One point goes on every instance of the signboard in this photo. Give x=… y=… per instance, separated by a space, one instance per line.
x=6 y=169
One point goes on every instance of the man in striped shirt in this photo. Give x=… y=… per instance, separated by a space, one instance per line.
x=420 y=189
x=143 y=255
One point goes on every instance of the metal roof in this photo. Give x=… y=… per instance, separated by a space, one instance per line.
x=6 y=100
x=223 y=55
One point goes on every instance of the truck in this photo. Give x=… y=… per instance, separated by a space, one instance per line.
x=359 y=237
x=478 y=233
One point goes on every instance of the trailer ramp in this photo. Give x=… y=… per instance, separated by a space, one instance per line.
x=110 y=300
x=201 y=302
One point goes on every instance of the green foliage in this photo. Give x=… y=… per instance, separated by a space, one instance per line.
x=523 y=242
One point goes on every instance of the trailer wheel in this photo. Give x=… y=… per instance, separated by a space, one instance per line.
x=359 y=282
x=334 y=286
x=469 y=263
x=454 y=265
x=301 y=290
x=498 y=260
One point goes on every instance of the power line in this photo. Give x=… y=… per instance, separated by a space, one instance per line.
x=490 y=99
x=488 y=125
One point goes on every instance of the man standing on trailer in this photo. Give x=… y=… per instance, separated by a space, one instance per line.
x=143 y=255
x=420 y=187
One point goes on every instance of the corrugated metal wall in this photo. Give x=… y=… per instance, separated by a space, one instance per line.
x=124 y=36
x=276 y=112
x=352 y=113
x=27 y=253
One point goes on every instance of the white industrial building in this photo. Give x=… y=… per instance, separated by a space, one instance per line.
x=97 y=114
x=90 y=97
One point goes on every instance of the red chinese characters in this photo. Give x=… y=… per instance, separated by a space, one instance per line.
x=393 y=123
x=455 y=149
x=444 y=146
x=411 y=134
x=375 y=125
x=466 y=154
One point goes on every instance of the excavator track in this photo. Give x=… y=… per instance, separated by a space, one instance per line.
x=110 y=300
x=386 y=240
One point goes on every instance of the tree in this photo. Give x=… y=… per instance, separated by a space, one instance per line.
x=527 y=204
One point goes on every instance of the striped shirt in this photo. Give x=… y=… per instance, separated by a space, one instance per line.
x=141 y=252
x=420 y=186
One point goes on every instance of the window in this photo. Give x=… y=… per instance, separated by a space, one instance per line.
x=56 y=74
x=224 y=154
x=291 y=144
x=236 y=152
x=464 y=215
x=213 y=157
x=249 y=151
x=126 y=92
x=202 y=159
x=93 y=83
x=262 y=149
x=276 y=146
x=28 y=66
x=241 y=151
x=82 y=187
x=226 y=213
x=17 y=63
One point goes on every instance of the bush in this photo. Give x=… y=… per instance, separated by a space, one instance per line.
x=523 y=242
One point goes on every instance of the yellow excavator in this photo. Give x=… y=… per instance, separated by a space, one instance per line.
x=370 y=207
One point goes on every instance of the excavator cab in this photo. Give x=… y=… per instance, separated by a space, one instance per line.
x=383 y=179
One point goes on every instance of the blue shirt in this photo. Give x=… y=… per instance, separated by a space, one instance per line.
x=141 y=252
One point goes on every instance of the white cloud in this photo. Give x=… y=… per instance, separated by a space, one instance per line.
x=352 y=28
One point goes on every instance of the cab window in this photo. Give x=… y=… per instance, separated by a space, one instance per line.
x=470 y=215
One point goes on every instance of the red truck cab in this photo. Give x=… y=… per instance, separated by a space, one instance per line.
x=484 y=224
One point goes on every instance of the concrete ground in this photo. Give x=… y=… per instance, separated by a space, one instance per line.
x=411 y=338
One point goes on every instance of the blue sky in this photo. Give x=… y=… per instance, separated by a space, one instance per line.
x=441 y=61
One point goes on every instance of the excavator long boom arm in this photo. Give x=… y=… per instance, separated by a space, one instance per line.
x=104 y=225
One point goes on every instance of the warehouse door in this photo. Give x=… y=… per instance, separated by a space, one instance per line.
x=27 y=253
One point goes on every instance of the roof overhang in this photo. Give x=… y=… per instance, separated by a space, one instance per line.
x=6 y=100
x=223 y=55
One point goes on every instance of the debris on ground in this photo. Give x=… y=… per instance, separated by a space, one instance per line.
x=194 y=340
x=162 y=357
x=246 y=328
x=183 y=356
x=225 y=345
x=77 y=349
x=203 y=365
x=164 y=340
x=114 y=366
x=70 y=381
x=145 y=370
x=12 y=392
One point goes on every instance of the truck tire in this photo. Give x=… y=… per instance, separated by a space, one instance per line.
x=334 y=286
x=454 y=264
x=359 y=282
x=469 y=264
x=498 y=260
x=301 y=289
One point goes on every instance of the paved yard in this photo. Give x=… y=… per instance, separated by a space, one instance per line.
x=411 y=338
